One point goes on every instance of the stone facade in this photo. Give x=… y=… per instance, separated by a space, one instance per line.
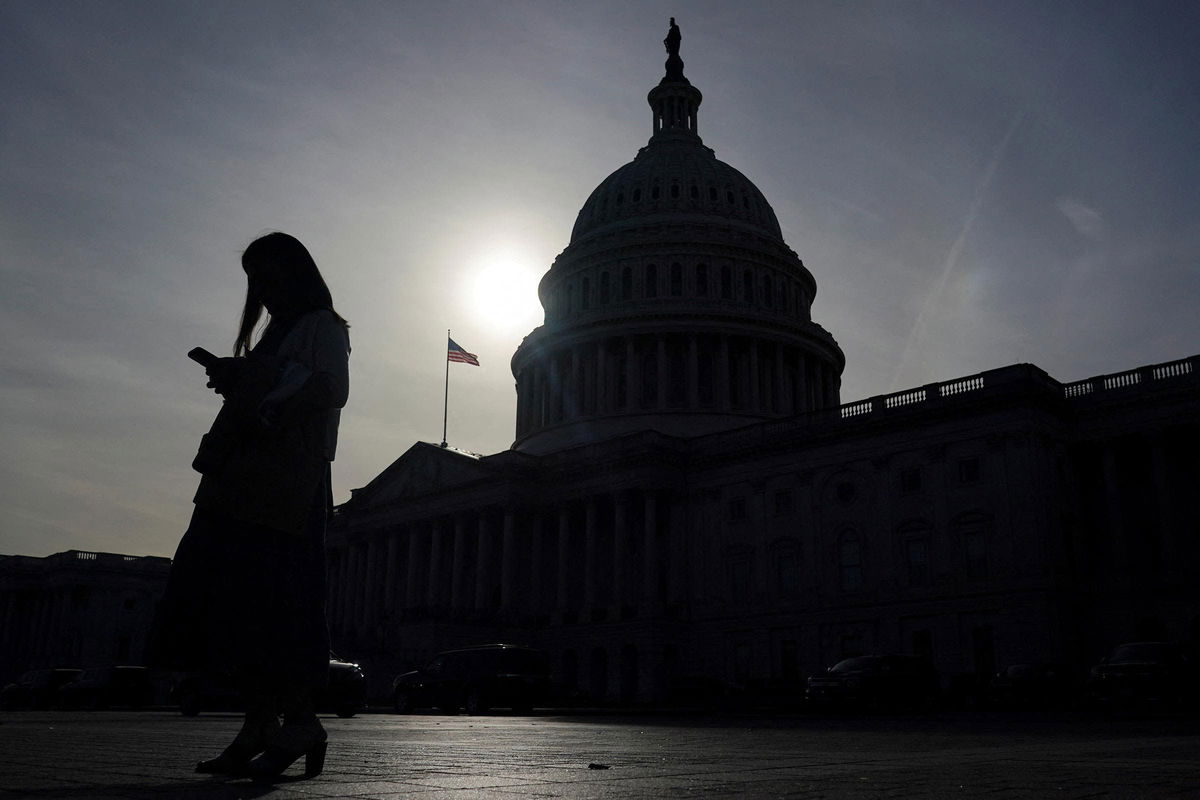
x=687 y=497
x=76 y=609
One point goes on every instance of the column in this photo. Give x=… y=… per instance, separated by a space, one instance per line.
x=721 y=393
x=693 y=373
x=537 y=571
x=590 y=555
x=508 y=561
x=573 y=394
x=620 y=534
x=818 y=385
x=1161 y=474
x=436 y=595
x=661 y=369
x=458 y=563
x=755 y=395
x=483 y=564
x=603 y=401
x=554 y=393
x=782 y=406
x=389 y=578
x=650 y=550
x=633 y=387
x=412 y=585
x=801 y=390
x=564 y=558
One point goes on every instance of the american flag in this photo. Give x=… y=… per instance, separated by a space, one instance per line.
x=456 y=353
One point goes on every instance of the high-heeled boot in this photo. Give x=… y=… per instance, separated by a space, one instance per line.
x=252 y=739
x=294 y=739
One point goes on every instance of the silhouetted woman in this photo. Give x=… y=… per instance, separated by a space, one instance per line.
x=246 y=594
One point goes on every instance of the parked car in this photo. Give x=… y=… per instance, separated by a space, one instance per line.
x=103 y=687
x=476 y=678
x=875 y=681
x=37 y=688
x=344 y=694
x=1033 y=686
x=1140 y=672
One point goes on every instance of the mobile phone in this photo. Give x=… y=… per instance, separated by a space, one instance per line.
x=202 y=357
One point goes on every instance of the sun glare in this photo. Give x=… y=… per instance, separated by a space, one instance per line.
x=504 y=293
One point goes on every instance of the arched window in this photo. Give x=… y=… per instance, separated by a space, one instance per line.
x=627 y=283
x=637 y=195
x=768 y=299
x=585 y=302
x=651 y=288
x=570 y=304
x=748 y=287
x=702 y=280
x=726 y=283
x=676 y=279
x=604 y=288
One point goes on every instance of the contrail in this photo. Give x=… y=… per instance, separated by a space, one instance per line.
x=956 y=248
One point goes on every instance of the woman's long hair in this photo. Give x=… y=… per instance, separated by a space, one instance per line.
x=294 y=265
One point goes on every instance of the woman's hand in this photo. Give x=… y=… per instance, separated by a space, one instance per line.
x=224 y=374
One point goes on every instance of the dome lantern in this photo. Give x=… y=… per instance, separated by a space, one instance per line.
x=674 y=101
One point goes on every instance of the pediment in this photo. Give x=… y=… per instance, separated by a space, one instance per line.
x=424 y=469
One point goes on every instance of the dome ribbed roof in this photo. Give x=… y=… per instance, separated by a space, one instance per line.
x=675 y=175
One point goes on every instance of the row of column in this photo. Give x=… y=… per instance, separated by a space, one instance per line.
x=605 y=555
x=664 y=372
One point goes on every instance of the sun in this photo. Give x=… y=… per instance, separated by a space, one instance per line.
x=504 y=292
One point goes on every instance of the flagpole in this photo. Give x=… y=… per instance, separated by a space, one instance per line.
x=446 y=396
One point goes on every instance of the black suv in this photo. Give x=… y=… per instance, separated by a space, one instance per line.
x=37 y=688
x=876 y=681
x=477 y=678
x=1144 y=671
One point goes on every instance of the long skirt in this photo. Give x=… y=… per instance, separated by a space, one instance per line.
x=246 y=600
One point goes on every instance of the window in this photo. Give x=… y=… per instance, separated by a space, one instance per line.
x=783 y=502
x=850 y=564
x=737 y=509
x=968 y=470
x=972 y=531
x=637 y=195
x=702 y=280
x=586 y=301
x=604 y=290
x=654 y=192
x=748 y=287
x=674 y=191
x=910 y=480
x=130 y=603
x=627 y=284
x=651 y=288
x=846 y=492
x=768 y=299
x=740 y=560
x=786 y=557
x=975 y=552
x=916 y=554
x=726 y=284
x=676 y=280
x=695 y=192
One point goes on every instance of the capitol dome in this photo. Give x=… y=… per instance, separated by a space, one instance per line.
x=676 y=306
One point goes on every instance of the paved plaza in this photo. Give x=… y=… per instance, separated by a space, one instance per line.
x=150 y=754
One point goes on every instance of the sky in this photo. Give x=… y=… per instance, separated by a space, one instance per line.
x=972 y=184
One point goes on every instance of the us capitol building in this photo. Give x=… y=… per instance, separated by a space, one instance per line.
x=687 y=496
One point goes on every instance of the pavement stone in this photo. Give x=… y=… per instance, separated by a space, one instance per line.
x=1070 y=756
